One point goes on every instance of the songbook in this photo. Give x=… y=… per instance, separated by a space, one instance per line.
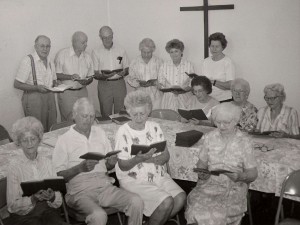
x=160 y=147
x=106 y=72
x=60 y=88
x=265 y=133
x=212 y=172
x=98 y=155
x=195 y=113
x=188 y=138
x=150 y=82
x=123 y=112
x=120 y=120
x=31 y=187
x=103 y=119
x=173 y=88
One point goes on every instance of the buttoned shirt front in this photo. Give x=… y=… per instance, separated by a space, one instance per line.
x=286 y=121
x=71 y=145
x=44 y=75
x=109 y=59
x=23 y=169
x=67 y=62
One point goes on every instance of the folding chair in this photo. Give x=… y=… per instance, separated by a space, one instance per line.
x=290 y=186
x=166 y=114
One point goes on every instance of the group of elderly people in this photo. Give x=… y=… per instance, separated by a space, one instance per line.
x=146 y=188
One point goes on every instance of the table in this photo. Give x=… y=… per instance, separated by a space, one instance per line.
x=273 y=165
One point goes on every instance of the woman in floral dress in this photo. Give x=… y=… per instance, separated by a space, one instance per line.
x=145 y=174
x=227 y=166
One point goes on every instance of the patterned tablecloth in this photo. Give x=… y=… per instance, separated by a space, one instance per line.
x=273 y=165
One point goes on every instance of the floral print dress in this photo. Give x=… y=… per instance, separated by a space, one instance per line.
x=219 y=200
x=125 y=137
x=248 y=119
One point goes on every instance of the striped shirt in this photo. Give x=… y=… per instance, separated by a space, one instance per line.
x=44 y=76
x=23 y=169
x=171 y=75
x=139 y=70
x=286 y=121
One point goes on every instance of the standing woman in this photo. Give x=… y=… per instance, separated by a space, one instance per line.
x=173 y=73
x=219 y=68
x=145 y=67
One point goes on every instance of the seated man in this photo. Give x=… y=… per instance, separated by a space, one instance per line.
x=89 y=188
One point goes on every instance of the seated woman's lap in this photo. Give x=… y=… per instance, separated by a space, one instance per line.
x=152 y=193
x=41 y=214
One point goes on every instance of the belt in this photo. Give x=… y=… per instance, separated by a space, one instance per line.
x=120 y=78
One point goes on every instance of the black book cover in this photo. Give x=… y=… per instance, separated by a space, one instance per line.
x=160 y=147
x=195 y=113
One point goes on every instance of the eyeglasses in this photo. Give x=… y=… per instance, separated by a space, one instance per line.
x=198 y=91
x=107 y=37
x=29 y=140
x=238 y=91
x=271 y=98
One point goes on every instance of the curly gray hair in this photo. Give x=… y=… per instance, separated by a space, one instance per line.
x=137 y=98
x=27 y=124
x=227 y=109
x=245 y=84
x=277 y=88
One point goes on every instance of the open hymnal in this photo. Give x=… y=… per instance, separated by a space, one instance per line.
x=160 y=147
x=173 y=88
x=212 y=172
x=60 y=88
x=103 y=119
x=98 y=155
x=150 y=82
x=195 y=113
x=31 y=187
x=105 y=72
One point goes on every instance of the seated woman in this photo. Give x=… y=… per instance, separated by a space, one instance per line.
x=174 y=74
x=276 y=116
x=221 y=199
x=219 y=68
x=201 y=88
x=145 y=174
x=240 y=90
x=41 y=207
x=144 y=68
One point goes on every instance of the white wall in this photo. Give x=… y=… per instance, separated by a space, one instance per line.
x=263 y=37
x=22 y=20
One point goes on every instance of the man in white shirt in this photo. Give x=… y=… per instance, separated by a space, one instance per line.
x=35 y=75
x=73 y=67
x=111 y=85
x=89 y=188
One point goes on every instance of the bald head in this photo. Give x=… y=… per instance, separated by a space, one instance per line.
x=42 y=45
x=106 y=34
x=79 y=41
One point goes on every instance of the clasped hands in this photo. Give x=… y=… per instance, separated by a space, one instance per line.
x=43 y=195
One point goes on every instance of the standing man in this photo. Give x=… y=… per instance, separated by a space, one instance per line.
x=73 y=67
x=111 y=85
x=89 y=188
x=37 y=73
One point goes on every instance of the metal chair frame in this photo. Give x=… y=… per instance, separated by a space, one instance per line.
x=290 y=186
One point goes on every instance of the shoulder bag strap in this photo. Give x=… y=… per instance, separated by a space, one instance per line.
x=33 y=69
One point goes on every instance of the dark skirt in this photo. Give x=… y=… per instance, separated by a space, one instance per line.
x=41 y=214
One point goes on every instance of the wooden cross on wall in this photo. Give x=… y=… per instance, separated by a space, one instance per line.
x=205 y=9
